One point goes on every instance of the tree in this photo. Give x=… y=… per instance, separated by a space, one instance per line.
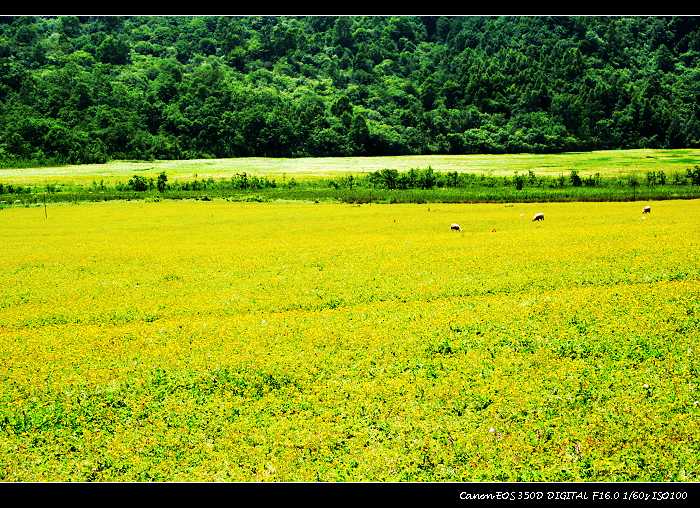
x=342 y=30
x=359 y=133
x=341 y=106
x=519 y=181
x=694 y=175
x=113 y=50
x=69 y=25
x=575 y=179
x=633 y=182
x=138 y=183
x=162 y=181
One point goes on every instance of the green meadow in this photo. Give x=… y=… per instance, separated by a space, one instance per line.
x=606 y=162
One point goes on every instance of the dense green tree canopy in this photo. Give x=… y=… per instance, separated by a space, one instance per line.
x=90 y=89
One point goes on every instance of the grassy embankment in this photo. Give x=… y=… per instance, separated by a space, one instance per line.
x=619 y=176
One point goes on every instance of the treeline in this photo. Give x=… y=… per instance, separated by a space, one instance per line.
x=90 y=89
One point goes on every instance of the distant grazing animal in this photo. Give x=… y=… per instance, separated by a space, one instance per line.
x=538 y=216
x=455 y=227
x=647 y=209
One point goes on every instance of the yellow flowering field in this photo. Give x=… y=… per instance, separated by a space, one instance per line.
x=295 y=341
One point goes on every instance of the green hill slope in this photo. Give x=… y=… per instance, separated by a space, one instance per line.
x=91 y=89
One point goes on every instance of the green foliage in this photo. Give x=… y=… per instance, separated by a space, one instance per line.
x=592 y=180
x=694 y=175
x=89 y=89
x=575 y=179
x=656 y=178
x=162 y=181
x=519 y=181
x=113 y=50
x=138 y=183
x=387 y=185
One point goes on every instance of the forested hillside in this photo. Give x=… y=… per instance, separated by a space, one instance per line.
x=79 y=90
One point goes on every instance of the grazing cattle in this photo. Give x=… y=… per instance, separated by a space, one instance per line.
x=455 y=227
x=647 y=209
x=538 y=217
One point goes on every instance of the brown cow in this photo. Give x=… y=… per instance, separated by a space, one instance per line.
x=647 y=209
x=538 y=217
